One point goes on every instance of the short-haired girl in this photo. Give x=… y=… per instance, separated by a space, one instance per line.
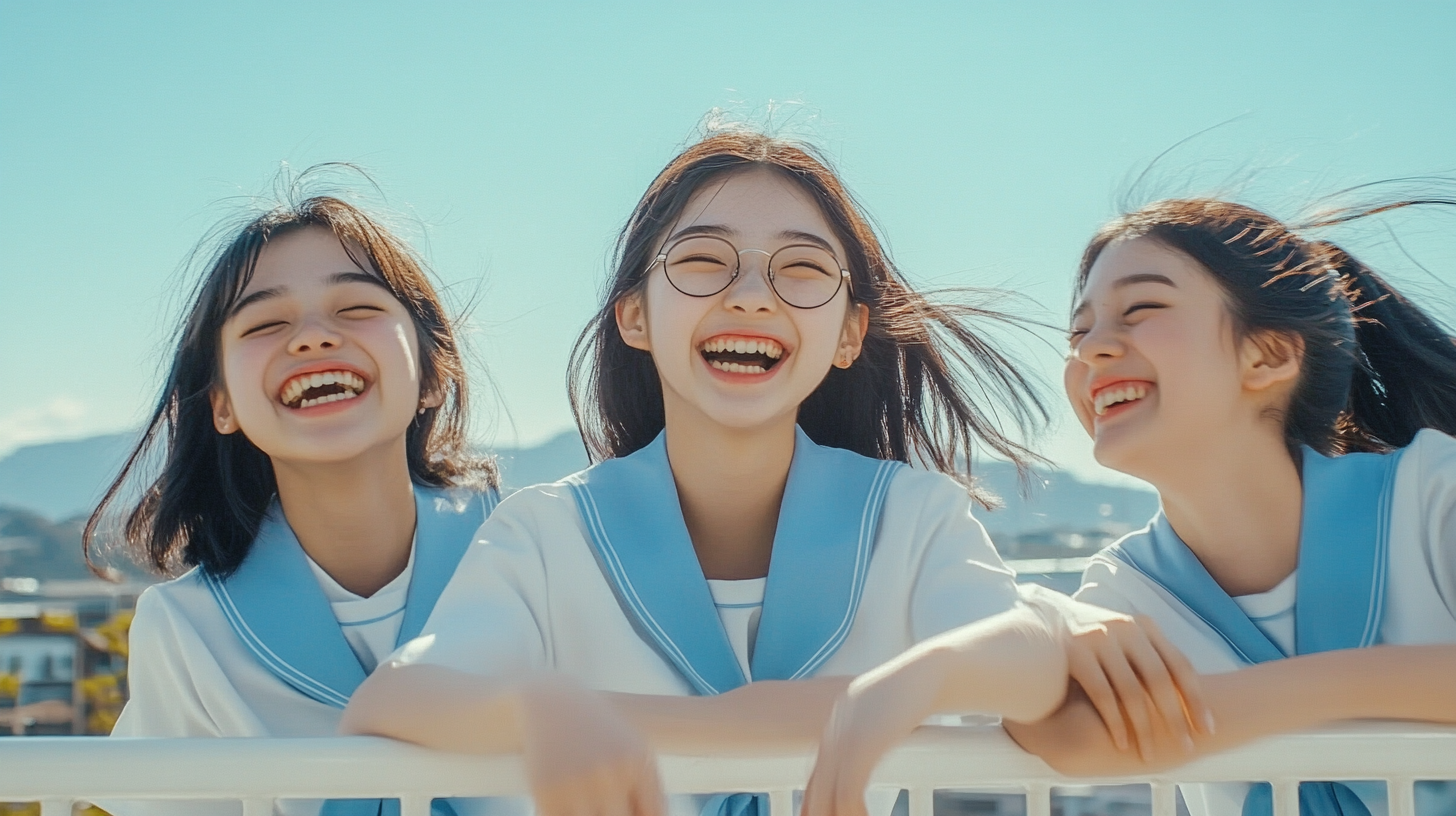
x=754 y=384
x=315 y=475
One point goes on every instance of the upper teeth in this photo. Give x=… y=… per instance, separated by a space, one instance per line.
x=744 y=345
x=1108 y=397
x=293 y=389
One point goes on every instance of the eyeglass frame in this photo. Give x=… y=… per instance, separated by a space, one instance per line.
x=844 y=277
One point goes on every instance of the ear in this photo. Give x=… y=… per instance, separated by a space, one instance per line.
x=222 y=412
x=1270 y=359
x=632 y=321
x=851 y=341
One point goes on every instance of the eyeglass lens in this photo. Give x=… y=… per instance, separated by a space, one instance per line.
x=803 y=275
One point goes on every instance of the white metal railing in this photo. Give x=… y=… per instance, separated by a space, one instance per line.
x=58 y=771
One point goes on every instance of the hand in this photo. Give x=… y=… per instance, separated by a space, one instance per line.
x=582 y=757
x=1133 y=675
x=878 y=710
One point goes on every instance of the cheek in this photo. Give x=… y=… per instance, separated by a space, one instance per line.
x=1074 y=377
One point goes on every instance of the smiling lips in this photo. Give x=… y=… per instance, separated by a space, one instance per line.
x=320 y=387
x=1117 y=393
x=736 y=354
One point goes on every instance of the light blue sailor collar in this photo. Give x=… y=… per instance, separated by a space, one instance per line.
x=278 y=610
x=821 y=553
x=1343 y=544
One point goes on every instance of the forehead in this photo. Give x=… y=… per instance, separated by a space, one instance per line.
x=310 y=255
x=756 y=204
x=1124 y=257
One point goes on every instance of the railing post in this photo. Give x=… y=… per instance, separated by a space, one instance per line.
x=55 y=806
x=1039 y=800
x=414 y=806
x=257 y=807
x=1165 y=799
x=781 y=803
x=922 y=801
x=1286 y=798
x=1402 y=793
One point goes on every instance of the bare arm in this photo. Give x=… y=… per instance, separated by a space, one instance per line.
x=1010 y=664
x=1383 y=682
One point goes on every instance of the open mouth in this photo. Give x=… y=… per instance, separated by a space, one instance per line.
x=742 y=355
x=1118 y=394
x=320 y=387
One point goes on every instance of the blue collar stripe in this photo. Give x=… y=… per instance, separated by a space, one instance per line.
x=822 y=547
x=874 y=502
x=628 y=595
x=280 y=667
x=1343 y=551
x=276 y=607
x=1343 y=547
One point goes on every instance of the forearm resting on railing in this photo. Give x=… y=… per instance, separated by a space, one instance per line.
x=442 y=708
x=1383 y=682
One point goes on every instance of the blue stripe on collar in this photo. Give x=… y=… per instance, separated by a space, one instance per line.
x=275 y=605
x=1343 y=555
x=822 y=547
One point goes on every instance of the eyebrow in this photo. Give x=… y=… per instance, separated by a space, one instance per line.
x=333 y=280
x=1130 y=280
x=719 y=231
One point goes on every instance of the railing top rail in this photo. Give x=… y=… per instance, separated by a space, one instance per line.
x=99 y=768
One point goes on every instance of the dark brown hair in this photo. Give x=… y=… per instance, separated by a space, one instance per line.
x=919 y=389
x=206 y=505
x=1376 y=368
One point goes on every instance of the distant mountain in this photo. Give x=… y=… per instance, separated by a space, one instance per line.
x=62 y=480
x=34 y=547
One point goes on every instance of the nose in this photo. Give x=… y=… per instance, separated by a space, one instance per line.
x=313 y=336
x=1100 y=343
x=751 y=292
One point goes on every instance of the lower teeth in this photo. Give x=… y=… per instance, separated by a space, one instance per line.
x=735 y=368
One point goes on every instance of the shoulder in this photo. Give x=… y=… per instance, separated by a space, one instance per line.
x=182 y=595
x=928 y=491
x=1431 y=452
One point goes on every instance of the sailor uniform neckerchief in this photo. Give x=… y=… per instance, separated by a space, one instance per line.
x=280 y=613
x=821 y=553
x=1343 y=546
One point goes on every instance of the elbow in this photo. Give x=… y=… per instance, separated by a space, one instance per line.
x=367 y=709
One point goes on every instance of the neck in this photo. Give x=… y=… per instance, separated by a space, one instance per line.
x=1237 y=503
x=730 y=483
x=355 y=519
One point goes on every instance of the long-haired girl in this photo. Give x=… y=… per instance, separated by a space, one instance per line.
x=1295 y=413
x=315 y=478
x=755 y=384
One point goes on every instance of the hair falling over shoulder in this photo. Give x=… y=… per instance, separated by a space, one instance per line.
x=1376 y=368
x=927 y=387
x=205 y=505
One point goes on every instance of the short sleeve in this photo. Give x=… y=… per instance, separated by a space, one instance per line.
x=1433 y=456
x=167 y=666
x=1099 y=588
x=492 y=617
x=960 y=578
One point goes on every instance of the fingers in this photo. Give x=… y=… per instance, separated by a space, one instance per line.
x=1132 y=696
x=1086 y=669
x=1190 y=686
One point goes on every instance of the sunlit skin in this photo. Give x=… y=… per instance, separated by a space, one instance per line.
x=343 y=478
x=1208 y=434
x=730 y=436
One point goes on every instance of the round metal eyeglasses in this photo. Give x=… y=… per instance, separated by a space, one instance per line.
x=804 y=276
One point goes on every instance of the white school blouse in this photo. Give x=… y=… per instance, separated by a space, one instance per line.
x=531 y=592
x=1419 y=590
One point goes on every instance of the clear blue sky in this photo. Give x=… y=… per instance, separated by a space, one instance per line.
x=988 y=139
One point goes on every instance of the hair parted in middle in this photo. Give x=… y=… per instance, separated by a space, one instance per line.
x=927 y=386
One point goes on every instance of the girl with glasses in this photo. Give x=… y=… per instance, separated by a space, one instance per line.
x=1295 y=413
x=316 y=489
x=753 y=388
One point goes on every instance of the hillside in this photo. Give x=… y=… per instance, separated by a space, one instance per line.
x=45 y=488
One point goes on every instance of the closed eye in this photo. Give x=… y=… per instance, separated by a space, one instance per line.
x=262 y=327
x=363 y=307
x=1137 y=307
